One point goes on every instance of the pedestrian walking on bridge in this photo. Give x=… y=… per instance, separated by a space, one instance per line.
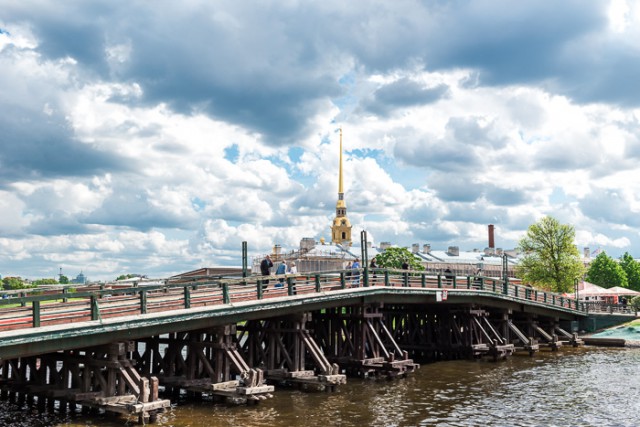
x=265 y=270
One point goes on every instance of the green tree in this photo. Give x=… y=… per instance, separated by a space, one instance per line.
x=606 y=272
x=41 y=282
x=13 y=283
x=551 y=260
x=635 y=303
x=631 y=268
x=63 y=279
x=395 y=257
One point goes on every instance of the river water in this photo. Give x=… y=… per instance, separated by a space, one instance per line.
x=586 y=386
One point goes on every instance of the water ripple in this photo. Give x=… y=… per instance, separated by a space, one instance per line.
x=572 y=387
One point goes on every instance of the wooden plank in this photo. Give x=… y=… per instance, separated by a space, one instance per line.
x=225 y=385
x=143 y=385
x=79 y=397
x=129 y=381
x=543 y=333
x=255 y=390
x=299 y=374
x=153 y=386
x=604 y=342
x=151 y=406
x=129 y=398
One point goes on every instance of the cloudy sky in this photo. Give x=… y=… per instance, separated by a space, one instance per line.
x=154 y=137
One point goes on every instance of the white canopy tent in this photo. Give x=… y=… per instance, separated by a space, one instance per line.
x=590 y=292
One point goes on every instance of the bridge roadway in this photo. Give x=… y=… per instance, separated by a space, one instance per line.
x=112 y=348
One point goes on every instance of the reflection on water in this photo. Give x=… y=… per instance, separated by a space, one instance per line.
x=574 y=387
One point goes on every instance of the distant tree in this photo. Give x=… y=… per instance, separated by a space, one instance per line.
x=551 y=260
x=395 y=257
x=63 y=280
x=9 y=283
x=41 y=282
x=126 y=276
x=635 y=303
x=631 y=268
x=606 y=272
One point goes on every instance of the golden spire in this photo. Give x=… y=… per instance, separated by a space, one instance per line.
x=340 y=187
x=341 y=228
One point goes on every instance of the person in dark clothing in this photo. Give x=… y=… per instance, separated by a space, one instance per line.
x=477 y=282
x=348 y=273
x=266 y=265
x=373 y=266
x=405 y=276
x=448 y=276
x=265 y=269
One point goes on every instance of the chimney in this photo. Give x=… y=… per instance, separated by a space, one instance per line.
x=426 y=248
x=307 y=243
x=453 y=251
x=492 y=243
x=415 y=248
x=587 y=253
x=499 y=252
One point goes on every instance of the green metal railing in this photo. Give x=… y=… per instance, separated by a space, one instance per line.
x=48 y=307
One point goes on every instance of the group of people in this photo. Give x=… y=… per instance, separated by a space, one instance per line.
x=355 y=276
x=283 y=268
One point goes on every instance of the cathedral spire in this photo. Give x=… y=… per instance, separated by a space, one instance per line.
x=341 y=228
x=340 y=186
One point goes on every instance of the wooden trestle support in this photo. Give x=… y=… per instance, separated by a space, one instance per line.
x=101 y=378
x=357 y=339
x=289 y=355
x=203 y=362
x=545 y=332
x=440 y=333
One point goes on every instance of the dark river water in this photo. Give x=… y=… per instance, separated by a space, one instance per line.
x=574 y=387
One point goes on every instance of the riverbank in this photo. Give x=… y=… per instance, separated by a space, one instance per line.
x=629 y=332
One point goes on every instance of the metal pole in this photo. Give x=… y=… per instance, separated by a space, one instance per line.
x=244 y=259
x=365 y=258
x=505 y=269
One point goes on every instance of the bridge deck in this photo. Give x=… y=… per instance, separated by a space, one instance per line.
x=55 y=321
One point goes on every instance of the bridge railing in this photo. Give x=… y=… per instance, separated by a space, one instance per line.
x=516 y=291
x=41 y=309
x=605 y=308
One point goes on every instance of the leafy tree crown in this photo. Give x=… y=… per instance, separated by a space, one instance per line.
x=551 y=260
x=395 y=257
x=606 y=272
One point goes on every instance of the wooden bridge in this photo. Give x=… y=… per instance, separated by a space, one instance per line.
x=131 y=350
